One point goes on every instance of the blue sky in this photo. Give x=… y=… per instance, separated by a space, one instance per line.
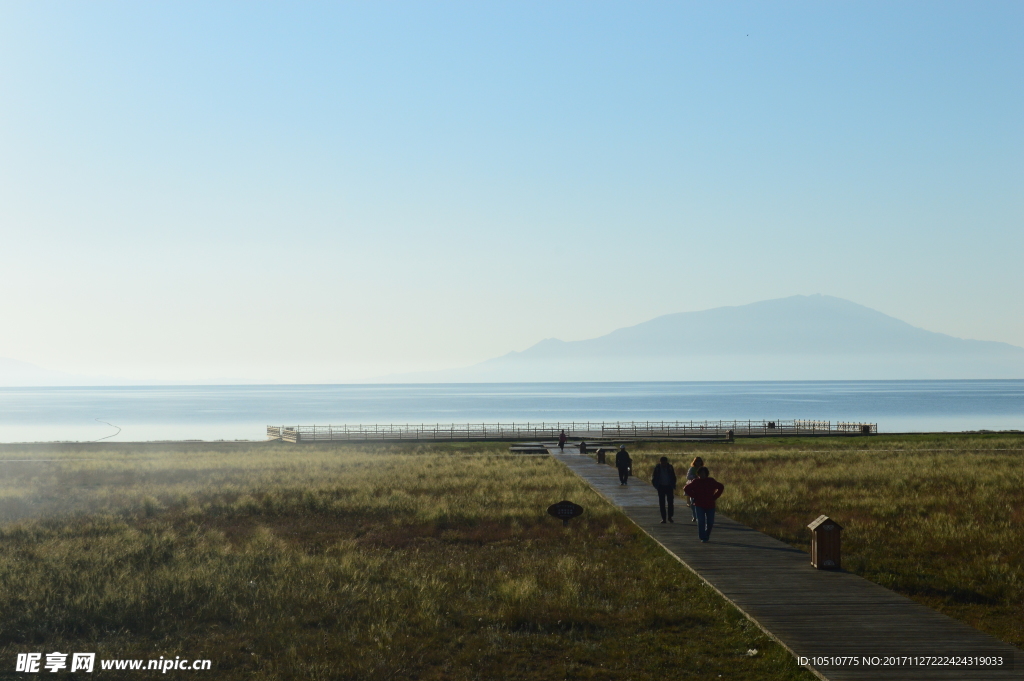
x=333 y=191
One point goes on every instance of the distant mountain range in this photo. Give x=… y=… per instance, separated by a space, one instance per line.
x=797 y=338
x=16 y=373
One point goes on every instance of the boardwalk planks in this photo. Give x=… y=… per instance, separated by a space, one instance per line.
x=813 y=613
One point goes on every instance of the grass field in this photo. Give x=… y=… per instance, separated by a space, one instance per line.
x=309 y=562
x=939 y=518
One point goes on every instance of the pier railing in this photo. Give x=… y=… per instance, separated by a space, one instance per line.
x=592 y=430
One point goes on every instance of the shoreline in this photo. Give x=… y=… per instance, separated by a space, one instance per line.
x=874 y=436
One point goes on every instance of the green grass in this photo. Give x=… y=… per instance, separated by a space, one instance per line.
x=939 y=518
x=284 y=561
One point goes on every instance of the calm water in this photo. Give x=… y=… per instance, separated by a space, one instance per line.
x=243 y=412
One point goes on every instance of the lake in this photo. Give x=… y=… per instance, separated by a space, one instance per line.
x=243 y=412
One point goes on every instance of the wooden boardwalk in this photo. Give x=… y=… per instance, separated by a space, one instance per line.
x=591 y=431
x=813 y=613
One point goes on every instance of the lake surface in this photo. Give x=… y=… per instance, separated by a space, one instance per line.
x=243 y=412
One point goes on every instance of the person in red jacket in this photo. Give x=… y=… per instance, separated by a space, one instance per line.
x=704 y=490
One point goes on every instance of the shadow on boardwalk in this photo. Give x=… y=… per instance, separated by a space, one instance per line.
x=846 y=626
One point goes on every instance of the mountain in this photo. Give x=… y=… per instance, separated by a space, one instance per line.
x=797 y=338
x=17 y=373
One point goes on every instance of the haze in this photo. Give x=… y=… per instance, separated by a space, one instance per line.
x=331 y=192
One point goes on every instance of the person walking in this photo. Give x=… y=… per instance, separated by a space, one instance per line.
x=664 y=480
x=705 y=490
x=692 y=475
x=561 y=440
x=624 y=464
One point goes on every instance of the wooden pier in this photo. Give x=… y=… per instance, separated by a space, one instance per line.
x=840 y=626
x=591 y=431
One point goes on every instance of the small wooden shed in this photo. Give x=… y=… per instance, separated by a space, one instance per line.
x=825 y=543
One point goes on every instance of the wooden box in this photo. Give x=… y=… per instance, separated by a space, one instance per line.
x=825 y=543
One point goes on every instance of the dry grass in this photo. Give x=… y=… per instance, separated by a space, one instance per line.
x=939 y=518
x=278 y=561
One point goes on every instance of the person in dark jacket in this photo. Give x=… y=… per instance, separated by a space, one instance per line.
x=561 y=440
x=624 y=464
x=704 y=490
x=664 y=480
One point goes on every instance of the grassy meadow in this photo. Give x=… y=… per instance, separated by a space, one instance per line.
x=348 y=562
x=939 y=518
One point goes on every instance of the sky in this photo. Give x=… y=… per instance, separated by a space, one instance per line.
x=324 y=192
